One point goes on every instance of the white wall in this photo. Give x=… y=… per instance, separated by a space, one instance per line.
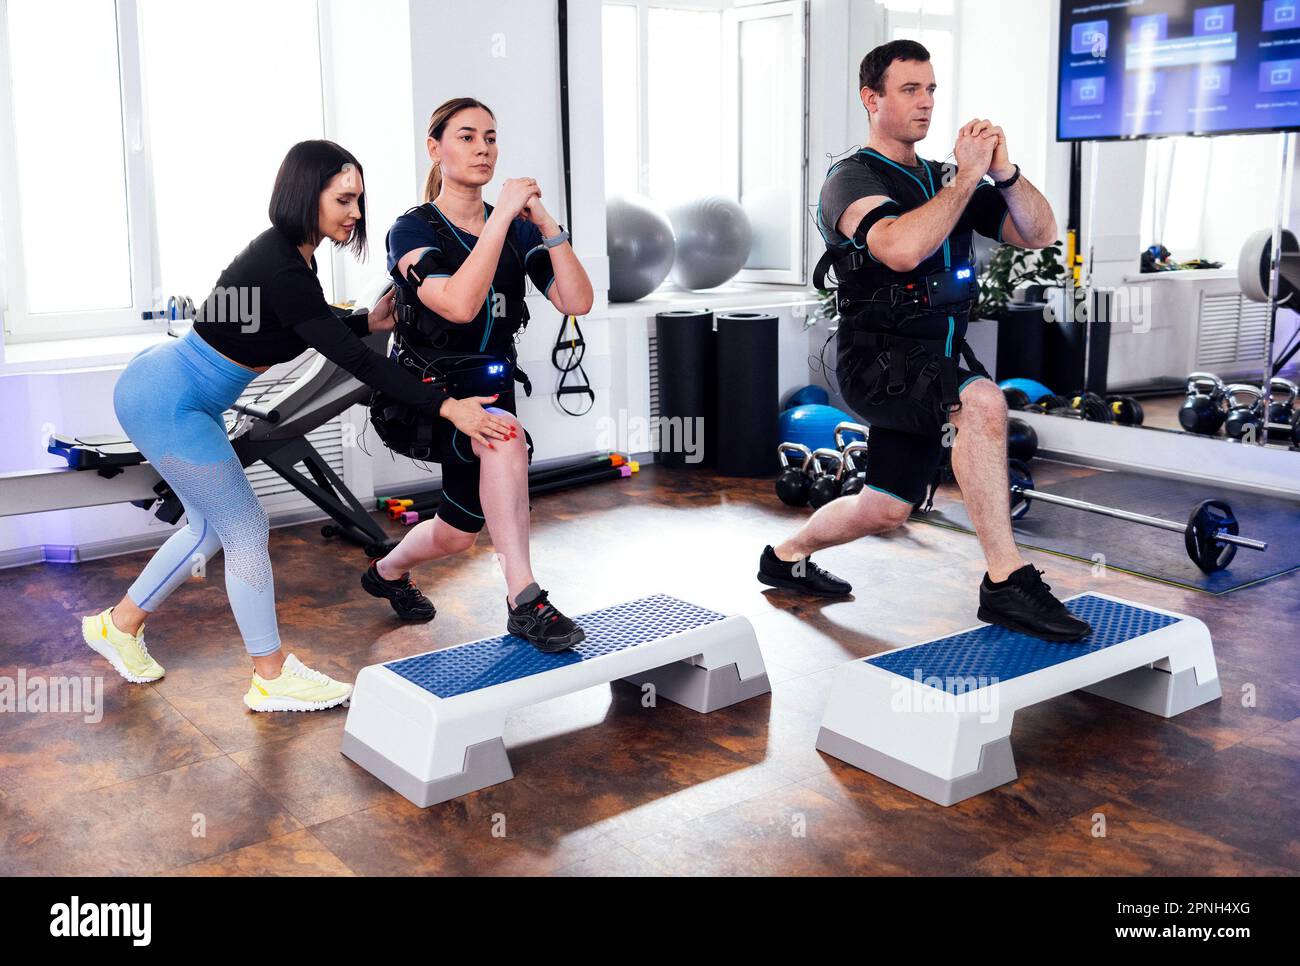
x=1007 y=73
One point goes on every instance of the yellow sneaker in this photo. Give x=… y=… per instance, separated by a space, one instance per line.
x=298 y=688
x=127 y=654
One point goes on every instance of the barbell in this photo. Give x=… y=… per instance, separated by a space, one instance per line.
x=1211 y=534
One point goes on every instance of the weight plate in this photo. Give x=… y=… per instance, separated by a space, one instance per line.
x=1208 y=520
x=1019 y=476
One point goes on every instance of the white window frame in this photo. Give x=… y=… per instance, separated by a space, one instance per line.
x=147 y=297
x=732 y=14
x=797 y=12
x=19 y=324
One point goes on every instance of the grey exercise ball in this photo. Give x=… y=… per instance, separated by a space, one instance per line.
x=713 y=241
x=640 y=244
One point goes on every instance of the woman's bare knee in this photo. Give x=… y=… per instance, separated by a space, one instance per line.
x=454 y=540
x=502 y=447
x=510 y=418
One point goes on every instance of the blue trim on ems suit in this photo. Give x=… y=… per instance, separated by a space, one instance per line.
x=872 y=486
x=477 y=516
x=947 y=252
x=454 y=449
x=967 y=382
x=1003 y=223
x=487 y=305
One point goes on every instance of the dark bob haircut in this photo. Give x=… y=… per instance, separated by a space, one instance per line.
x=872 y=72
x=295 y=199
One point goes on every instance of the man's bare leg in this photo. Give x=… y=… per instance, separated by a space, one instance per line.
x=979 y=461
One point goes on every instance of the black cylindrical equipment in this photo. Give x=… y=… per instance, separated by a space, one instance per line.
x=747 y=394
x=687 y=389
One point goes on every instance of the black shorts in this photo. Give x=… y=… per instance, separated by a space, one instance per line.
x=460 y=506
x=906 y=444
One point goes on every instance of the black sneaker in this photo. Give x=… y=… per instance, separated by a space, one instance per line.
x=536 y=620
x=801 y=575
x=407 y=601
x=1025 y=604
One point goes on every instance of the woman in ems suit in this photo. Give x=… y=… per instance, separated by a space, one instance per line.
x=460 y=266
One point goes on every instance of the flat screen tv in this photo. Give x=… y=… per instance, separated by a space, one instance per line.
x=1155 y=68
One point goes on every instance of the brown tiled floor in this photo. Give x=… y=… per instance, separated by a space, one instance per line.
x=179 y=777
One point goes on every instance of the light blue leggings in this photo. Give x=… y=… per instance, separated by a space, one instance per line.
x=169 y=401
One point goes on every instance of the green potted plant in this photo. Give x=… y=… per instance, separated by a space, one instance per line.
x=1011 y=267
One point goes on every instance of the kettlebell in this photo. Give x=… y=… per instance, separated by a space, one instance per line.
x=792 y=484
x=1243 y=419
x=1126 y=410
x=854 y=477
x=1016 y=397
x=826 y=484
x=856 y=429
x=1022 y=441
x=1206 y=407
x=1048 y=403
x=1281 y=411
x=1091 y=407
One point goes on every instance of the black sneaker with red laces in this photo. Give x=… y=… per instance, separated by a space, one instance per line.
x=535 y=619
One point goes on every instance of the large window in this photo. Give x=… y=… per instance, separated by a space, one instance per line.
x=1184 y=210
x=68 y=152
x=248 y=88
x=140 y=142
x=709 y=97
x=933 y=25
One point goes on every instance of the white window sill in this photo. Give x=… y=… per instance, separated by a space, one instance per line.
x=76 y=355
x=734 y=296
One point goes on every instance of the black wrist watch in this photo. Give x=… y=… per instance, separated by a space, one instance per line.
x=1010 y=181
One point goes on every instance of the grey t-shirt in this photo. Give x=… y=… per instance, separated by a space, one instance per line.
x=848 y=181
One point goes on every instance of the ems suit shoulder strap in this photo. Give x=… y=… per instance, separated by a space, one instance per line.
x=852 y=255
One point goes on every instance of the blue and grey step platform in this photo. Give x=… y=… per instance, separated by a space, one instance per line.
x=431 y=726
x=935 y=717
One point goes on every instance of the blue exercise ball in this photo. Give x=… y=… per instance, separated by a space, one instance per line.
x=812 y=424
x=713 y=241
x=641 y=247
x=1031 y=388
x=806 y=395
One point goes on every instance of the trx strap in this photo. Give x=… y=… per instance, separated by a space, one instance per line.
x=577 y=348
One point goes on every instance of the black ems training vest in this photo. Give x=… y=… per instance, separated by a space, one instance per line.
x=423 y=329
x=865 y=284
x=900 y=352
x=434 y=347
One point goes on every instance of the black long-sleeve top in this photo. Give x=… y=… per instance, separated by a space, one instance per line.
x=268 y=307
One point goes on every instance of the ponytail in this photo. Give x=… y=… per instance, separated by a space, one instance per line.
x=433 y=183
x=437 y=124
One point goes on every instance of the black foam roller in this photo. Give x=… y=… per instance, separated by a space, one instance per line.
x=687 y=388
x=748 y=403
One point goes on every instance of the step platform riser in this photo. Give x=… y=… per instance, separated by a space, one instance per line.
x=432 y=726
x=948 y=745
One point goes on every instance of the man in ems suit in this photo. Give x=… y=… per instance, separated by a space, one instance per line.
x=898 y=235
